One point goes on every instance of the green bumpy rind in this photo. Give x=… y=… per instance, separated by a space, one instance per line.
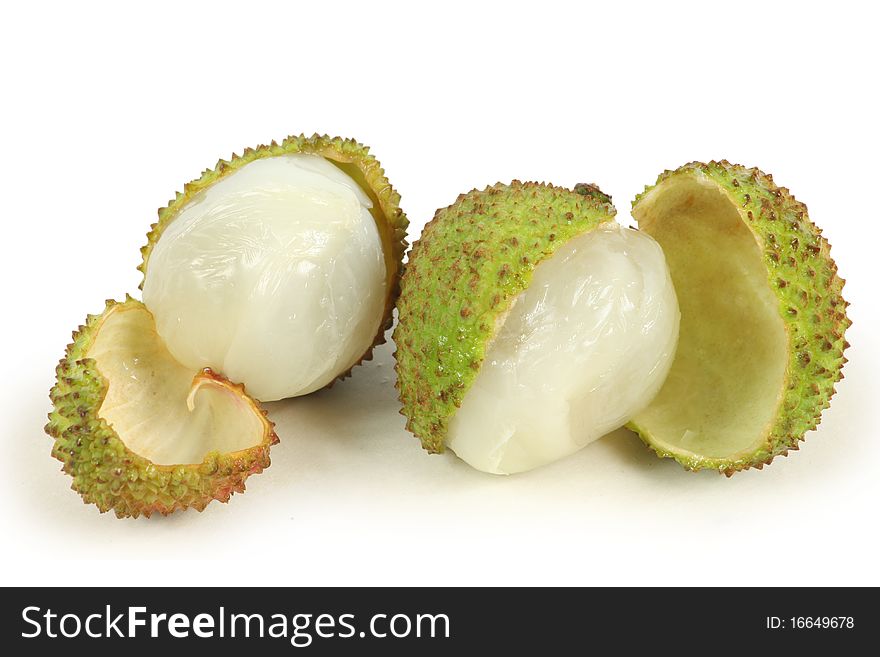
x=803 y=276
x=471 y=261
x=355 y=160
x=106 y=473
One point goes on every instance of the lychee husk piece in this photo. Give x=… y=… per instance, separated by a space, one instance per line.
x=762 y=318
x=120 y=395
x=471 y=261
x=355 y=160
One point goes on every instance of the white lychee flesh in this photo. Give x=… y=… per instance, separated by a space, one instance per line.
x=273 y=276
x=585 y=347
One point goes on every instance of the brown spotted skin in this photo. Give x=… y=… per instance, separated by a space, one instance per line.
x=112 y=477
x=804 y=278
x=472 y=259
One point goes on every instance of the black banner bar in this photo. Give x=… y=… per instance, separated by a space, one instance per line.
x=434 y=621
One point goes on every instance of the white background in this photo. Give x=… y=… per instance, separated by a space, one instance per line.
x=108 y=109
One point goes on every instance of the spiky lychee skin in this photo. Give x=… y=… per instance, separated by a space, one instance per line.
x=471 y=261
x=108 y=474
x=802 y=275
x=355 y=160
